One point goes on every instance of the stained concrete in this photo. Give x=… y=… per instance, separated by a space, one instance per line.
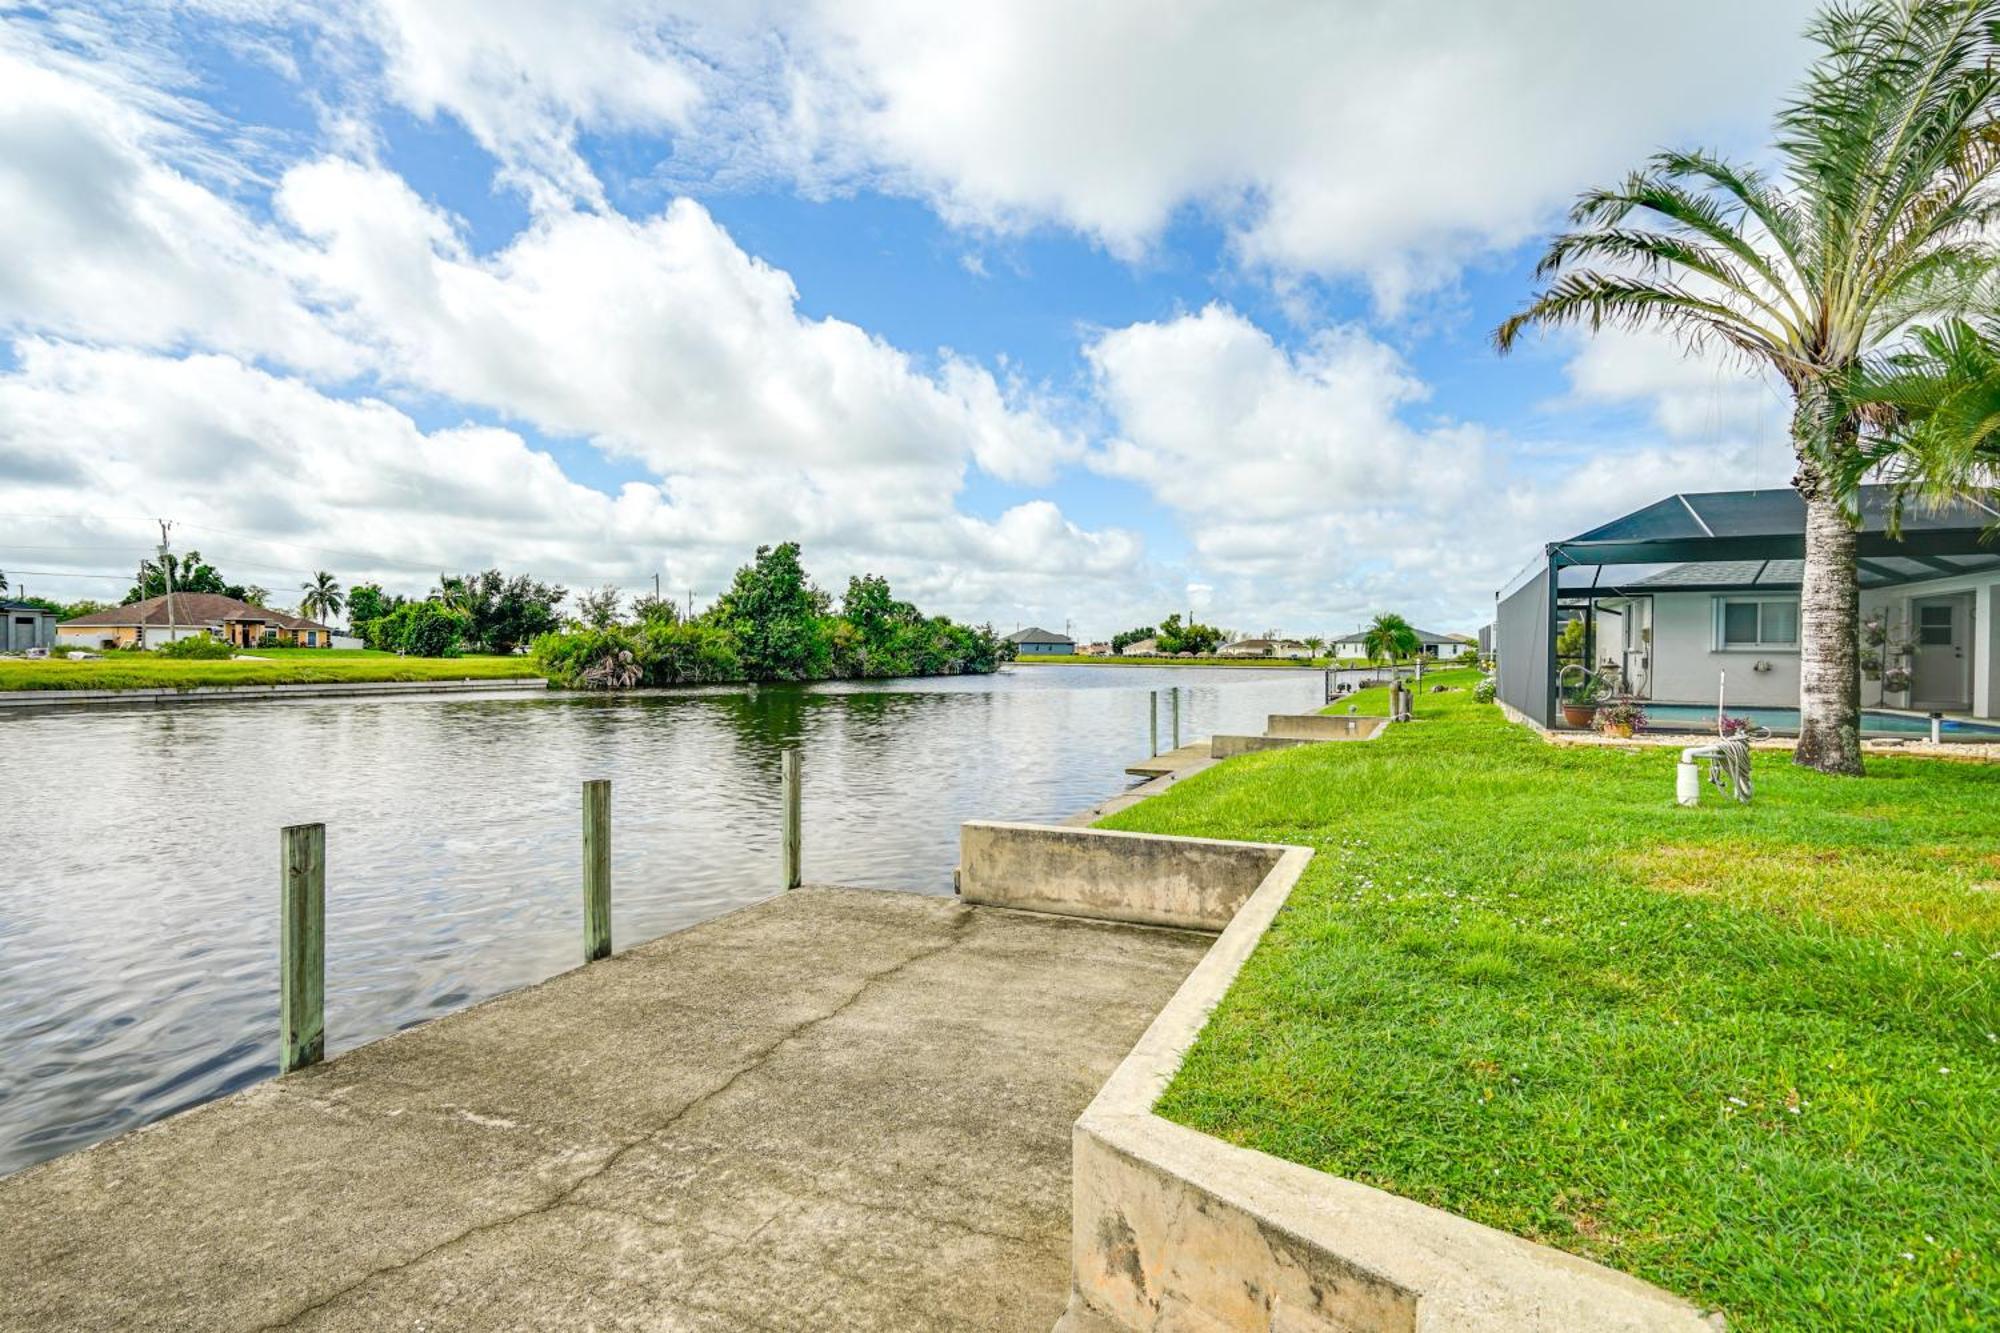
x=1190 y=757
x=838 y=1109
x=1190 y=883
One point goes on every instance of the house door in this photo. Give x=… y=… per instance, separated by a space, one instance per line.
x=1941 y=676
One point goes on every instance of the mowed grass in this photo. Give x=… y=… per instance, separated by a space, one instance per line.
x=1751 y=1054
x=285 y=666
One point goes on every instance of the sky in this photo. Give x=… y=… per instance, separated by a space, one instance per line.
x=1056 y=315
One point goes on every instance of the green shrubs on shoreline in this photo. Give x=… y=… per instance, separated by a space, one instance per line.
x=772 y=624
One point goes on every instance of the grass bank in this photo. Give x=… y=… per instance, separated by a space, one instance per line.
x=283 y=666
x=1751 y=1054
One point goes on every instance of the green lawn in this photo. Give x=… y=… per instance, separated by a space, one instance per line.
x=286 y=666
x=1751 y=1054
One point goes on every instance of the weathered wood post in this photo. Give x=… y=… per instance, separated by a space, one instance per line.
x=1154 y=728
x=596 y=869
x=301 y=946
x=793 y=807
x=1176 y=701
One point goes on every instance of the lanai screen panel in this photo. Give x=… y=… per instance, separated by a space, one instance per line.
x=1523 y=644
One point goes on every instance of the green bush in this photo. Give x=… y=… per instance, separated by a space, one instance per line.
x=420 y=629
x=199 y=648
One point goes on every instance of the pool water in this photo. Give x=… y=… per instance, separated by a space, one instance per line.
x=1696 y=717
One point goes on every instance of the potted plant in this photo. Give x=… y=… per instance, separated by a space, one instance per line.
x=1620 y=718
x=1579 y=702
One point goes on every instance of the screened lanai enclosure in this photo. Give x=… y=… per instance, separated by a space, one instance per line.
x=1694 y=601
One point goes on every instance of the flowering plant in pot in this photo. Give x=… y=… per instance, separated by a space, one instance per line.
x=1579 y=701
x=1621 y=717
x=1733 y=726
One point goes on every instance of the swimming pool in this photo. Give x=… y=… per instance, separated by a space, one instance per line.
x=1695 y=717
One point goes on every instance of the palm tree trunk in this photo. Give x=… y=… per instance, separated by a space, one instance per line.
x=1829 y=633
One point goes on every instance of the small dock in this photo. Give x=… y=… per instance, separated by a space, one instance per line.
x=836 y=1109
x=1172 y=762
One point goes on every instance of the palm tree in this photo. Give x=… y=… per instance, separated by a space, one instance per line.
x=1933 y=428
x=322 y=597
x=1315 y=646
x=1389 y=638
x=1875 y=221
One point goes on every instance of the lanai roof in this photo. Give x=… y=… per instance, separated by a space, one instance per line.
x=1714 y=539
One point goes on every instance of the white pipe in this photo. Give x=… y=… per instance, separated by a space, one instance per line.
x=1721 y=687
x=1687 y=783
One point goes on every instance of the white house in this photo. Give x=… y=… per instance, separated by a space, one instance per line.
x=1698 y=595
x=1291 y=648
x=1444 y=647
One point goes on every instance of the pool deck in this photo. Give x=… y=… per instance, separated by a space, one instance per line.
x=835 y=1109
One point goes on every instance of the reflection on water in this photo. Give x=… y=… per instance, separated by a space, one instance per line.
x=138 y=896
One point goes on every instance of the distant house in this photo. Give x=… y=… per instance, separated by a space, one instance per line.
x=146 y=624
x=1037 y=642
x=1292 y=648
x=1095 y=650
x=1444 y=647
x=1142 y=648
x=27 y=626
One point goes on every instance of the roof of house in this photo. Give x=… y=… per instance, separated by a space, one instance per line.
x=1266 y=643
x=190 y=608
x=1036 y=634
x=6 y=605
x=1424 y=636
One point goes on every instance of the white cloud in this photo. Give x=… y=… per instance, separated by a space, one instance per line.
x=659 y=338
x=1347 y=137
x=1689 y=395
x=107 y=240
x=293 y=479
x=1311 y=499
x=526 y=78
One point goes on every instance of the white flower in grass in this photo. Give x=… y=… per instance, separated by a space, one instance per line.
x=1944 y=1069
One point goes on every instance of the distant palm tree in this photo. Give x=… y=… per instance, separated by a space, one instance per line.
x=323 y=597
x=1314 y=646
x=1879 y=220
x=1389 y=639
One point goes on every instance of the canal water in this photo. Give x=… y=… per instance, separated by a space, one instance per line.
x=138 y=889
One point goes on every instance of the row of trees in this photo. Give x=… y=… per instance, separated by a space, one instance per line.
x=1861 y=275
x=773 y=624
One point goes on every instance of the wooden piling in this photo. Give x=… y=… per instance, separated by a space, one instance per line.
x=1155 y=725
x=301 y=946
x=1176 y=700
x=793 y=807
x=596 y=870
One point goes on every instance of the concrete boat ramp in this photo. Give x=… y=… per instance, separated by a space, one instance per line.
x=837 y=1109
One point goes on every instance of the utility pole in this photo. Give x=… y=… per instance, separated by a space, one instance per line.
x=690 y=603
x=167 y=569
x=656 y=587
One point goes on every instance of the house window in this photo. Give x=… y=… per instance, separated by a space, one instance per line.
x=1934 y=626
x=1749 y=624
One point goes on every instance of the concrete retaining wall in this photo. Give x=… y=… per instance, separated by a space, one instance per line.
x=1193 y=883
x=1228 y=747
x=1173 y=1230
x=1321 y=727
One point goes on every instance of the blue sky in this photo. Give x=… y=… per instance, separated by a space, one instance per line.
x=1049 y=318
